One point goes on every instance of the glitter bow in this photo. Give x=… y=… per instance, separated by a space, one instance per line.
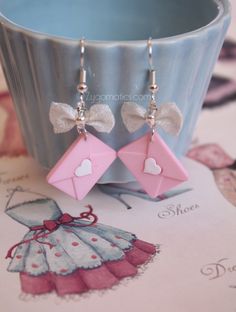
x=167 y=116
x=64 y=117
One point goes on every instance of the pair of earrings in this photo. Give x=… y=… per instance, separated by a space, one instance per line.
x=149 y=159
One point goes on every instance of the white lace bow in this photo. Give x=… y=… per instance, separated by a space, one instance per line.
x=168 y=117
x=64 y=117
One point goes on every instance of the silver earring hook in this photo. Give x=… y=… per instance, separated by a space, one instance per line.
x=82 y=89
x=153 y=88
x=82 y=86
x=82 y=52
x=149 y=44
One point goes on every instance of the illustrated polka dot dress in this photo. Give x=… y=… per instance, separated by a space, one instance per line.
x=70 y=255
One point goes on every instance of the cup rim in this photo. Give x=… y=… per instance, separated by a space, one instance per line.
x=224 y=8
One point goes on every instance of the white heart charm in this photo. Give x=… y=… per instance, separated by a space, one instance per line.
x=151 y=167
x=84 y=169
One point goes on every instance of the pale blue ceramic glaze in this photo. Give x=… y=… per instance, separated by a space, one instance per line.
x=40 y=56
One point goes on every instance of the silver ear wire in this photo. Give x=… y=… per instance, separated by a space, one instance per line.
x=153 y=88
x=82 y=51
x=149 y=44
x=82 y=88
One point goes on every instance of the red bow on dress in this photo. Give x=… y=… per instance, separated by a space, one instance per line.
x=52 y=225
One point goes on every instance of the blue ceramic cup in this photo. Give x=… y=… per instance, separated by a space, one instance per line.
x=40 y=55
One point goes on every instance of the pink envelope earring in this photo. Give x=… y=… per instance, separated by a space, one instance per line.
x=149 y=159
x=87 y=158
